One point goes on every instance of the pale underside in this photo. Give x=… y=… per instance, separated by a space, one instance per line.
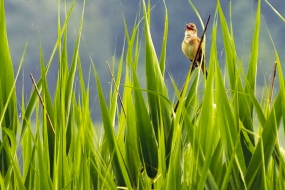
x=190 y=46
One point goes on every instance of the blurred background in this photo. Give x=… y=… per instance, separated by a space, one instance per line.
x=35 y=22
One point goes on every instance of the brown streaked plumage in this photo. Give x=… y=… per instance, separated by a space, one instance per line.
x=190 y=45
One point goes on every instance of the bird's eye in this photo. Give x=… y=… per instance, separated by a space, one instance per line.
x=188 y=27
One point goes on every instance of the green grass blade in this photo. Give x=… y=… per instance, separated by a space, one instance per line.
x=280 y=76
x=277 y=13
x=252 y=68
x=9 y=116
x=173 y=180
x=154 y=80
x=14 y=167
x=206 y=127
x=269 y=135
x=8 y=93
x=164 y=42
x=120 y=170
x=229 y=47
x=34 y=97
x=243 y=110
x=71 y=76
x=147 y=139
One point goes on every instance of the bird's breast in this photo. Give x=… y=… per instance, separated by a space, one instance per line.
x=189 y=48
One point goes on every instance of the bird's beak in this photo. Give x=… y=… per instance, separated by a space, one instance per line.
x=188 y=27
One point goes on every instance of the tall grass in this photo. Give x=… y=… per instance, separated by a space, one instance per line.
x=209 y=143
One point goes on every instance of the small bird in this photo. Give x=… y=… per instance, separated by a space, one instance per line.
x=190 y=45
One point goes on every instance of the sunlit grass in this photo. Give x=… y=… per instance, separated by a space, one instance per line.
x=208 y=143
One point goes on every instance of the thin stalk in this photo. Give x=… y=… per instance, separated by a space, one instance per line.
x=114 y=81
x=42 y=102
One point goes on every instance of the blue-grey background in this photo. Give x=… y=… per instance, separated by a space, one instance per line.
x=35 y=22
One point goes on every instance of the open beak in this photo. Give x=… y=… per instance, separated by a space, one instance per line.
x=188 y=27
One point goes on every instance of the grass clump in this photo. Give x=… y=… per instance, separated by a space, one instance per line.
x=208 y=143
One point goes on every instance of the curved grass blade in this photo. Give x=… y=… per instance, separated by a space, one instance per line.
x=252 y=68
x=7 y=82
x=158 y=108
x=119 y=166
x=269 y=135
x=162 y=61
x=146 y=135
x=8 y=100
x=173 y=179
x=242 y=105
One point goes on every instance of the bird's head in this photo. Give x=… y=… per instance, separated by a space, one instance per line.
x=191 y=29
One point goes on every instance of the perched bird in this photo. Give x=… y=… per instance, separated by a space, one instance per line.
x=190 y=45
